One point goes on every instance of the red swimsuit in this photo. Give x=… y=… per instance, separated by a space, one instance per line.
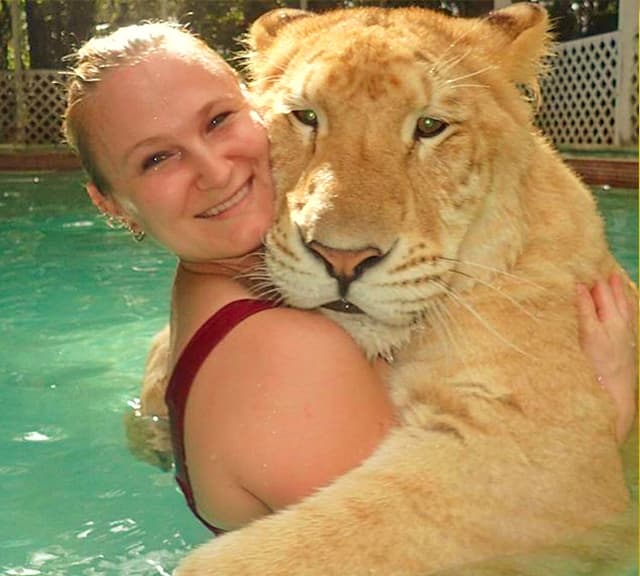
x=195 y=353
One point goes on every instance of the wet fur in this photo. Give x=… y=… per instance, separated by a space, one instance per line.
x=505 y=441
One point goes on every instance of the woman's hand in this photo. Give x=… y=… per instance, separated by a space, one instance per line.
x=608 y=334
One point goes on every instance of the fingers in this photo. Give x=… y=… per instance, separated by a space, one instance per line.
x=619 y=296
x=608 y=306
x=627 y=303
x=604 y=301
x=587 y=312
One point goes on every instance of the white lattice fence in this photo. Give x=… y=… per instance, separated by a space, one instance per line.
x=579 y=98
x=44 y=103
x=7 y=108
x=46 y=100
x=580 y=95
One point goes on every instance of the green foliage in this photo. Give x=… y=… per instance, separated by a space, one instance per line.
x=578 y=19
x=111 y=14
x=454 y=7
x=56 y=27
x=223 y=22
x=5 y=33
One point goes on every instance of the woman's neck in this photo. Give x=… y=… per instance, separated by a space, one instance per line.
x=229 y=267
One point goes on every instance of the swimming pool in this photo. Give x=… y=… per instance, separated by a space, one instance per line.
x=80 y=303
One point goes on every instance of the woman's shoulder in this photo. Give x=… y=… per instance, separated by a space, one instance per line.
x=289 y=356
x=288 y=332
x=292 y=321
x=197 y=299
x=287 y=382
x=194 y=301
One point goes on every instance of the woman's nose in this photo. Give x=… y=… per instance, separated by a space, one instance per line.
x=213 y=170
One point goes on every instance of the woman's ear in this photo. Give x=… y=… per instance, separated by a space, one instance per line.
x=110 y=207
x=104 y=204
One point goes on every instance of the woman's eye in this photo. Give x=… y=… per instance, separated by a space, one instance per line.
x=307 y=117
x=154 y=160
x=427 y=127
x=217 y=120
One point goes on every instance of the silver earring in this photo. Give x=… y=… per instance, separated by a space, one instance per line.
x=138 y=235
x=116 y=223
x=111 y=221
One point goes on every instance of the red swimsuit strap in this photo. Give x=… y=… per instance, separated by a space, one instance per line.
x=206 y=338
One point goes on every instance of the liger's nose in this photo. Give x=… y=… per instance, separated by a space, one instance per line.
x=345 y=265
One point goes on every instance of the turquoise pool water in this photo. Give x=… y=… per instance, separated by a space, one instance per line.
x=79 y=304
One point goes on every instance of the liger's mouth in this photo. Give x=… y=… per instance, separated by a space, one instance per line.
x=343 y=306
x=238 y=197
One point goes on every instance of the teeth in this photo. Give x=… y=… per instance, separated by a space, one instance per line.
x=219 y=208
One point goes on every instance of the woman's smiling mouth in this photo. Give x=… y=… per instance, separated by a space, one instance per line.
x=238 y=197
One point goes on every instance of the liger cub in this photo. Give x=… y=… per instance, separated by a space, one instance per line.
x=419 y=208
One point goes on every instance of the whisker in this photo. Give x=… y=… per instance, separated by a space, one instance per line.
x=252 y=276
x=471 y=74
x=466 y=86
x=497 y=271
x=458 y=299
x=272 y=77
x=280 y=69
x=443 y=67
x=460 y=38
x=260 y=283
x=460 y=345
x=507 y=297
x=448 y=327
x=272 y=295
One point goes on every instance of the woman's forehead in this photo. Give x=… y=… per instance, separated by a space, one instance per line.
x=167 y=78
x=170 y=63
x=156 y=98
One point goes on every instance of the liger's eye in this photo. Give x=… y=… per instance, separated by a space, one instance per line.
x=427 y=127
x=307 y=117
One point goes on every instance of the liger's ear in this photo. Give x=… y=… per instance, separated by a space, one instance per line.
x=519 y=38
x=265 y=29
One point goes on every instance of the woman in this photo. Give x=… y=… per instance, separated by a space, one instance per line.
x=280 y=401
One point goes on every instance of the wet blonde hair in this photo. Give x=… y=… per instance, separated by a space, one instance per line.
x=126 y=46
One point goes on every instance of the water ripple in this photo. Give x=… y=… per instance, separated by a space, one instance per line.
x=45 y=434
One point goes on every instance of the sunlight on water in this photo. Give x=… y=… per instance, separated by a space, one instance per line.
x=620 y=208
x=80 y=303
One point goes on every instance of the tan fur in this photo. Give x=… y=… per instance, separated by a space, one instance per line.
x=505 y=441
x=146 y=426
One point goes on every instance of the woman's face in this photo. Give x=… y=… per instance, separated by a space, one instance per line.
x=186 y=158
